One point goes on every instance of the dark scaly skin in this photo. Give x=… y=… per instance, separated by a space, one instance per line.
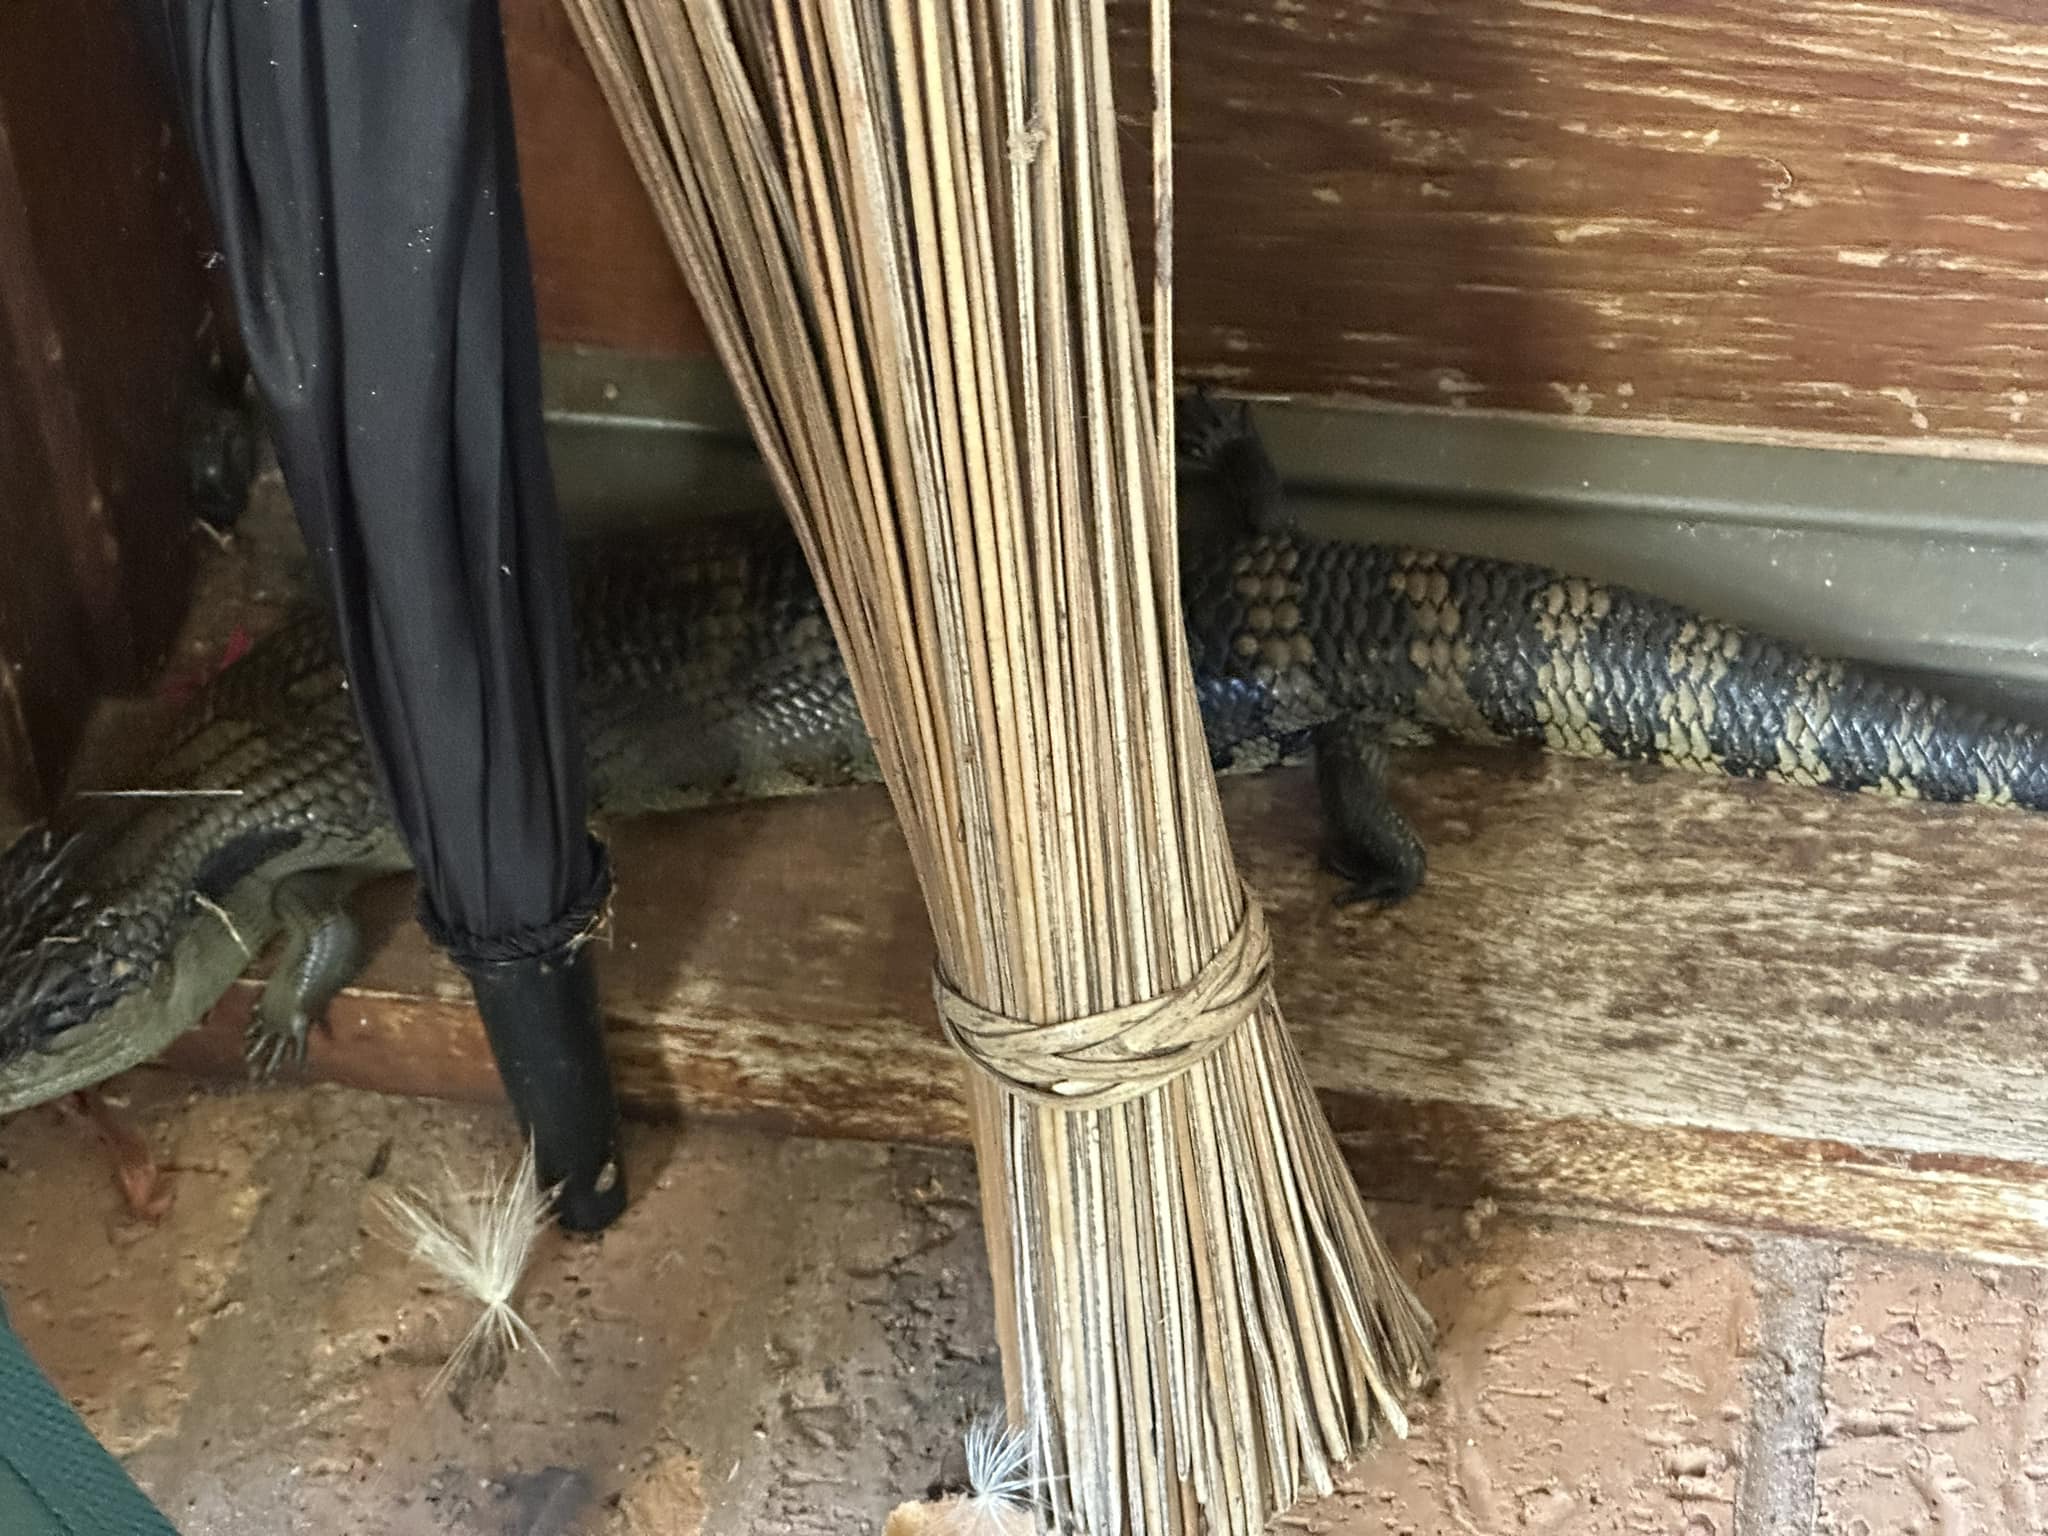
x=709 y=673
x=123 y=921
x=1339 y=650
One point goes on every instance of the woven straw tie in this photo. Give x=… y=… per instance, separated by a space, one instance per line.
x=1108 y=1058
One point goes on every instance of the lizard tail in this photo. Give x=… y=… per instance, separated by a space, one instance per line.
x=1598 y=671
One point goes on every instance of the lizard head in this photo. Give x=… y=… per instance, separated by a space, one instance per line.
x=61 y=959
x=92 y=984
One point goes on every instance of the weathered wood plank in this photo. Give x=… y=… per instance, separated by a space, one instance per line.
x=57 y=579
x=1725 y=216
x=1728 y=214
x=602 y=272
x=105 y=335
x=1447 y=1153
x=1629 y=990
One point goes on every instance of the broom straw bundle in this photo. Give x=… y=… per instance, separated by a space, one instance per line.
x=904 y=223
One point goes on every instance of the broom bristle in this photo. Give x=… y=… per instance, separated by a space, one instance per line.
x=904 y=224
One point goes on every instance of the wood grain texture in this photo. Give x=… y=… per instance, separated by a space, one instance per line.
x=1723 y=213
x=108 y=310
x=46 y=648
x=21 y=789
x=1625 y=990
x=1721 y=216
x=603 y=275
x=62 y=623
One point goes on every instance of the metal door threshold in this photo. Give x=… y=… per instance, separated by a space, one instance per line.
x=1934 y=567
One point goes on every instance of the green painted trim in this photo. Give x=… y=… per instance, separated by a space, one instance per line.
x=1935 y=567
x=1535 y=464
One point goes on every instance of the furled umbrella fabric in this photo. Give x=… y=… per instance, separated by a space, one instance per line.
x=359 y=158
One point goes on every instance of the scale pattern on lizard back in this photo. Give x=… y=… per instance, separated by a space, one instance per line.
x=268 y=777
x=1292 y=634
x=708 y=672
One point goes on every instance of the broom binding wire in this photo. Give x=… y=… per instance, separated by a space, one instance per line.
x=1103 y=1059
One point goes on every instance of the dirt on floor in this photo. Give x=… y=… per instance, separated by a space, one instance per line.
x=787 y=1337
x=780 y=1335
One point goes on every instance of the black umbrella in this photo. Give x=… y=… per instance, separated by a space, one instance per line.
x=359 y=158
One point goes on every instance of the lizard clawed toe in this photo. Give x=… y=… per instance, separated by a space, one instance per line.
x=1377 y=894
x=1366 y=886
x=269 y=1046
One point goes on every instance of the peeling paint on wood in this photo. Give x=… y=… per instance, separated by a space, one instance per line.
x=1631 y=990
x=1755 y=216
x=1728 y=216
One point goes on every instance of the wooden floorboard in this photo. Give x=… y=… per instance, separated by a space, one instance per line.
x=1622 y=989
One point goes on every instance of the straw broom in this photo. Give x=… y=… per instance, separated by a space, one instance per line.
x=904 y=223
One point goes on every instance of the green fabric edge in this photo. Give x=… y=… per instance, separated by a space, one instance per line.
x=55 y=1478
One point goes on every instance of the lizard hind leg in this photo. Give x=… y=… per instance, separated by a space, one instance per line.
x=1370 y=843
x=323 y=952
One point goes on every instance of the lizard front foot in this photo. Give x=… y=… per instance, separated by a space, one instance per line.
x=322 y=953
x=1367 y=886
x=280 y=1031
x=1370 y=843
x=1379 y=892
